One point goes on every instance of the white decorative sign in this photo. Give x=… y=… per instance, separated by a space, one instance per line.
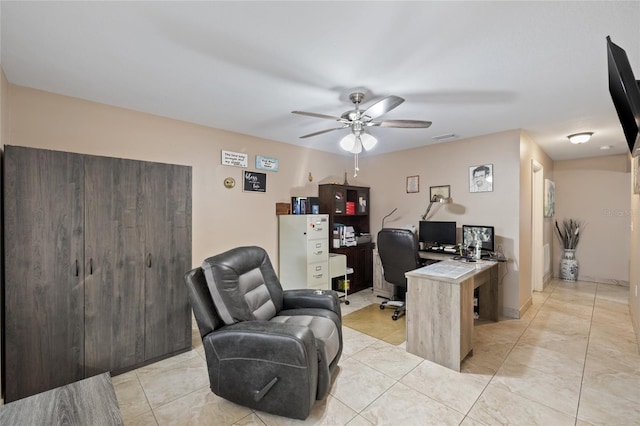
x=266 y=163
x=236 y=159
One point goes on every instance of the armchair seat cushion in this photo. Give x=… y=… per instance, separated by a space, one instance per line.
x=324 y=330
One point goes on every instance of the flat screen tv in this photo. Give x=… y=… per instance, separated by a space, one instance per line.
x=437 y=233
x=471 y=234
x=625 y=93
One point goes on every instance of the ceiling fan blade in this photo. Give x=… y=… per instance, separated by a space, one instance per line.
x=322 y=131
x=383 y=106
x=405 y=124
x=328 y=117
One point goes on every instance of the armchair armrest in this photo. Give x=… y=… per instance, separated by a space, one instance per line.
x=267 y=366
x=307 y=298
x=287 y=343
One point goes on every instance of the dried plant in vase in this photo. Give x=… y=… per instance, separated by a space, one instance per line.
x=569 y=235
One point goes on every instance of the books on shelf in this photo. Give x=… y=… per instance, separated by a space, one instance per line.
x=345 y=234
x=305 y=205
x=351 y=207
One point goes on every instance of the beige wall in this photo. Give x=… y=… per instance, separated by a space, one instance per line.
x=448 y=164
x=530 y=152
x=596 y=190
x=222 y=218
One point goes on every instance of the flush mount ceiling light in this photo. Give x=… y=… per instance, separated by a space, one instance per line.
x=577 y=138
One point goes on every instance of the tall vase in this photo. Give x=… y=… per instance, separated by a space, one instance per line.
x=568 y=265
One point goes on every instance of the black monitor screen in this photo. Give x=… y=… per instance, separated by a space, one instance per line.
x=473 y=233
x=437 y=232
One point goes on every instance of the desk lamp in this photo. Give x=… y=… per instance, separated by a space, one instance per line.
x=436 y=199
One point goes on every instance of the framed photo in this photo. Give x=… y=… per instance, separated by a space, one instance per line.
x=443 y=190
x=549 y=198
x=413 y=184
x=481 y=178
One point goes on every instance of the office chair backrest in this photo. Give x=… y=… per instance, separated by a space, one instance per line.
x=398 y=250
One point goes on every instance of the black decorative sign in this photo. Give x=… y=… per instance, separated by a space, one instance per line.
x=255 y=182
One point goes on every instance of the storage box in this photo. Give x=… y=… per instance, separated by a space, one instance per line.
x=283 y=208
x=351 y=207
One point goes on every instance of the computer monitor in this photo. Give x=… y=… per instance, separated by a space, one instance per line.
x=473 y=233
x=433 y=232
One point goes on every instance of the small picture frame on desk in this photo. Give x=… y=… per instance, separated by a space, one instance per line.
x=413 y=184
x=443 y=191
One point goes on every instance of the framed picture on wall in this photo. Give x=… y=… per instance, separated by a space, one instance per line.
x=481 y=178
x=549 y=198
x=443 y=190
x=413 y=184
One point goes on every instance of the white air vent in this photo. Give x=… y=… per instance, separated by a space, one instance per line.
x=444 y=137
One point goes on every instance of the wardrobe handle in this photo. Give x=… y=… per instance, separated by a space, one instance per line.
x=91 y=266
x=149 y=260
x=77 y=268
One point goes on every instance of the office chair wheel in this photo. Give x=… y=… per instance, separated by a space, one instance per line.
x=381 y=307
x=346 y=302
x=394 y=317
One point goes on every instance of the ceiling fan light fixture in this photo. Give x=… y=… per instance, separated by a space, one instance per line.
x=578 y=138
x=348 y=142
x=368 y=141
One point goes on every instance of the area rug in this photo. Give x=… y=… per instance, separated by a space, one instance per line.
x=376 y=322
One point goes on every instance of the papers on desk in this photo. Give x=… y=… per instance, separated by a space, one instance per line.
x=447 y=269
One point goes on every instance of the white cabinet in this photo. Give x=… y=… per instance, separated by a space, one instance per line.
x=304 y=251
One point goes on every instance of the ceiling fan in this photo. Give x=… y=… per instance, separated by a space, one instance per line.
x=358 y=120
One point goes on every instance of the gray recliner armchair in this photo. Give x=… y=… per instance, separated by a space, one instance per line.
x=268 y=349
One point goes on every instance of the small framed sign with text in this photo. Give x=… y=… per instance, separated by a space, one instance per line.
x=266 y=163
x=254 y=182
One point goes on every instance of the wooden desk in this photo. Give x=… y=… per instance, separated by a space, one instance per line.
x=440 y=312
x=90 y=401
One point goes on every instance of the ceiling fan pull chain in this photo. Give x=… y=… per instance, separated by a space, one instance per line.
x=355 y=166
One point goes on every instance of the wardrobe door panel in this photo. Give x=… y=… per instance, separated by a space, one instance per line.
x=167 y=209
x=43 y=289
x=114 y=265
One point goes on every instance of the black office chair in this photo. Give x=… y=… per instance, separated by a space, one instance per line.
x=398 y=250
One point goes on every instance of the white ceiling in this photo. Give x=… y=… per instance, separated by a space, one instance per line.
x=472 y=68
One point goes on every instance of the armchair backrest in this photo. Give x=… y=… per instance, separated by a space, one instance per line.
x=243 y=285
x=398 y=250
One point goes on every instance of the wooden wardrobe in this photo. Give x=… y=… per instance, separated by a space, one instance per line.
x=95 y=249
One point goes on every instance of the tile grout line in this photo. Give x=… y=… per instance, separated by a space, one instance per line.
x=584 y=365
x=505 y=359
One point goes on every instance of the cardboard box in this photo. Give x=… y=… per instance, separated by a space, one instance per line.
x=283 y=208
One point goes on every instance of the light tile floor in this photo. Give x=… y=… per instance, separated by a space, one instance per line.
x=571 y=360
